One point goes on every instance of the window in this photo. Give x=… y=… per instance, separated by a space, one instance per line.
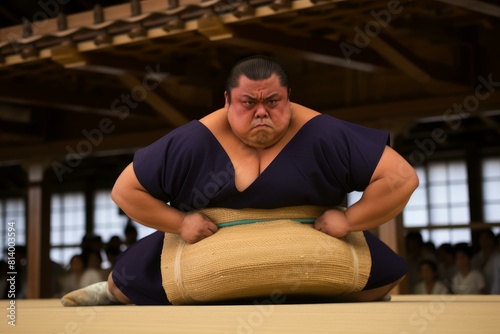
x=442 y=199
x=108 y=221
x=491 y=191
x=67 y=226
x=353 y=197
x=12 y=210
x=416 y=213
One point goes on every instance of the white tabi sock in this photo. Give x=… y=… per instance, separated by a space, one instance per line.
x=92 y=295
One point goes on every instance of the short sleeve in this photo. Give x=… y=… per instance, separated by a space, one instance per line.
x=353 y=152
x=149 y=167
x=184 y=167
x=160 y=166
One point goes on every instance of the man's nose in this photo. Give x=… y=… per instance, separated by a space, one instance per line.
x=261 y=111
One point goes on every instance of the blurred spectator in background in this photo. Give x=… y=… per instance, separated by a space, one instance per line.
x=79 y=275
x=94 y=262
x=130 y=234
x=112 y=252
x=430 y=283
x=483 y=260
x=72 y=278
x=416 y=253
x=85 y=243
x=498 y=241
x=468 y=281
x=429 y=248
x=115 y=242
x=447 y=268
x=495 y=284
x=96 y=243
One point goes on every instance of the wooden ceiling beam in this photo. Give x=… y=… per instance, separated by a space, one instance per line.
x=57 y=150
x=475 y=6
x=59 y=99
x=312 y=49
x=408 y=63
x=123 y=68
x=70 y=57
x=123 y=12
x=15 y=127
x=490 y=122
x=144 y=90
x=439 y=107
x=19 y=138
x=8 y=14
x=155 y=101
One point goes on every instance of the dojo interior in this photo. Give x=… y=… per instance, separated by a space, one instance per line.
x=85 y=84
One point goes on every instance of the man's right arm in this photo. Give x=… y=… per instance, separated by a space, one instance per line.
x=143 y=208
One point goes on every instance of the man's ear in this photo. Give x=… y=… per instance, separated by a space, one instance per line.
x=226 y=99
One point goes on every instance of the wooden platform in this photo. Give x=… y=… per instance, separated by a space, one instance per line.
x=403 y=315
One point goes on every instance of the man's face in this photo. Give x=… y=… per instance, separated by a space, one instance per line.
x=259 y=112
x=462 y=260
x=426 y=273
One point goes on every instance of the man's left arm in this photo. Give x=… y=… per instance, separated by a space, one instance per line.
x=388 y=192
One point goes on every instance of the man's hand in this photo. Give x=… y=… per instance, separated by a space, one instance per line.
x=333 y=222
x=195 y=227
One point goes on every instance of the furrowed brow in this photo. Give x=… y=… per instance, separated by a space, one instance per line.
x=273 y=95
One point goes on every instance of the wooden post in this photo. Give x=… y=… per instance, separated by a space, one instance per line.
x=38 y=233
x=89 y=206
x=475 y=183
x=392 y=234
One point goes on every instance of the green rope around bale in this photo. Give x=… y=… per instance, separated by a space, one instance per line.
x=252 y=221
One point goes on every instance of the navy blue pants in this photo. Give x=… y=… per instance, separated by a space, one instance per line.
x=137 y=271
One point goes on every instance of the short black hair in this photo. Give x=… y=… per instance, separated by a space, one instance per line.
x=489 y=234
x=129 y=228
x=429 y=263
x=415 y=236
x=447 y=248
x=256 y=68
x=465 y=249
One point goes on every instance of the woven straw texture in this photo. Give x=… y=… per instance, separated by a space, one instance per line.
x=261 y=259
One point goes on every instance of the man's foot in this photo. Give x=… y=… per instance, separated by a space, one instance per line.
x=386 y=298
x=92 y=295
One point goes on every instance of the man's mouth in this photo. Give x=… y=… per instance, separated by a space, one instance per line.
x=260 y=125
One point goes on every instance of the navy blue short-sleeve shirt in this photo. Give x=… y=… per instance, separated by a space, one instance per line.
x=326 y=159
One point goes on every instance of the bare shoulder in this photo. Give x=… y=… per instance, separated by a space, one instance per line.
x=301 y=115
x=215 y=121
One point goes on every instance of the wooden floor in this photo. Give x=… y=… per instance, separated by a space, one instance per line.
x=403 y=315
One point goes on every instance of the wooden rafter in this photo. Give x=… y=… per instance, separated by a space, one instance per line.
x=156 y=101
x=475 y=6
x=17 y=131
x=313 y=49
x=69 y=57
x=33 y=95
x=489 y=121
x=406 y=61
x=57 y=149
x=411 y=109
x=5 y=12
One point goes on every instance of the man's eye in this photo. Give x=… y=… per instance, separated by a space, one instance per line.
x=248 y=103
x=272 y=102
